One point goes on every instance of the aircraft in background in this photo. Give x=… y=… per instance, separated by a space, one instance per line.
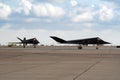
x=88 y=41
x=25 y=41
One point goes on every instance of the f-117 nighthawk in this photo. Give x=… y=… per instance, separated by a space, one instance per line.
x=25 y=41
x=94 y=41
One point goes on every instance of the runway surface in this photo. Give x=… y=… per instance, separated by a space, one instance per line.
x=60 y=63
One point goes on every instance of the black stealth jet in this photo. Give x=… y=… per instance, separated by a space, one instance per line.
x=25 y=41
x=94 y=41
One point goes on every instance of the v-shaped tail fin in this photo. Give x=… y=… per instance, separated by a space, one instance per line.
x=20 y=39
x=58 y=39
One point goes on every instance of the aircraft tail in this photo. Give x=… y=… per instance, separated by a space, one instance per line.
x=58 y=39
x=20 y=39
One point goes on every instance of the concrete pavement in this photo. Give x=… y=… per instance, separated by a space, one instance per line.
x=50 y=63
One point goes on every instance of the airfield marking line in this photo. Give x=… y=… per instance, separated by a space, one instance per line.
x=75 y=78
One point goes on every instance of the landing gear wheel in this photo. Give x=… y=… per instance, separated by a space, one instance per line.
x=97 y=48
x=79 y=47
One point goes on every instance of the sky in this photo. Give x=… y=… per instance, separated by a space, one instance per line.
x=67 y=19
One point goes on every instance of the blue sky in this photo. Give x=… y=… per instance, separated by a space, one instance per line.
x=70 y=19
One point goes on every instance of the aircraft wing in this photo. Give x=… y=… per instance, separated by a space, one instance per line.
x=32 y=41
x=95 y=40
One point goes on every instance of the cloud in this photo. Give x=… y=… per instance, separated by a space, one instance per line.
x=52 y=1
x=39 y=9
x=32 y=20
x=114 y=1
x=80 y=13
x=73 y=3
x=93 y=13
x=48 y=10
x=87 y=16
x=5 y=11
x=24 y=6
x=105 y=13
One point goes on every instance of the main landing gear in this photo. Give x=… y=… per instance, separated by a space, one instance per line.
x=97 y=48
x=34 y=45
x=80 y=47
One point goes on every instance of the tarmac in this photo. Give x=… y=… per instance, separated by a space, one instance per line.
x=60 y=63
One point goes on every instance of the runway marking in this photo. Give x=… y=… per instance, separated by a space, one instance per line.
x=75 y=78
